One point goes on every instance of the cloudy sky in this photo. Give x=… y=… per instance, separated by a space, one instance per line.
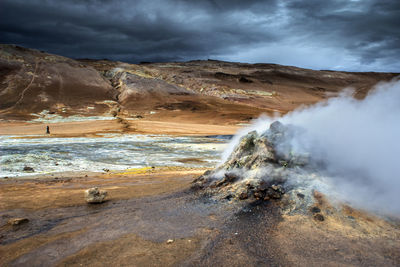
x=354 y=35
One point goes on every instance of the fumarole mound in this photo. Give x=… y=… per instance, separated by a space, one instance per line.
x=265 y=167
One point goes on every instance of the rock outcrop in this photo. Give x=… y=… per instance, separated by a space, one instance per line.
x=264 y=167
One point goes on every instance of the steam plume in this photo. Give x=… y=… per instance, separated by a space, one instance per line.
x=355 y=143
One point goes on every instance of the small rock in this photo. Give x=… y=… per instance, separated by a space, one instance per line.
x=17 y=221
x=276 y=196
x=207 y=172
x=277 y=127
x=243 y=195
x=220 y=182
x=258 y=195
x=243 y=79
x=170 y=241
x=278 y=188
x=106 y=170
x=263 y=186
x=230 y=177
x=283 y=163
x=250 y=185
x=273 y=194
x=228 y=196
x=319 y=217
x=315 y=210
x=94 y=195
x=28 y=169
x=275 y=187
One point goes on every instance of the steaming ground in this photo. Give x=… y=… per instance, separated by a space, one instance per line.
x=157 y=218
x=353 y=143
x=50 y=155
x=99 y=114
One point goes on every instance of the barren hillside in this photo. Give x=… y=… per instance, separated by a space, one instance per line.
x=197 y=91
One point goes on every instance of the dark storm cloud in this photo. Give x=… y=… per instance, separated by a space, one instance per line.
x=352 y=35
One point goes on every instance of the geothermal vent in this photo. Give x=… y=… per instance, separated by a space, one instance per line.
x=265 y=167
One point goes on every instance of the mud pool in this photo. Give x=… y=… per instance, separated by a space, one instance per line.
x=108 y=152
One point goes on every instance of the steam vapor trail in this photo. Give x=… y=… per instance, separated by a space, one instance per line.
x=357 y=142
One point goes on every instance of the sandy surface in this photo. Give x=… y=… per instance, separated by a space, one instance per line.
x=66 y=189
x=148 y=207
x=91 y=128
x=31 y=197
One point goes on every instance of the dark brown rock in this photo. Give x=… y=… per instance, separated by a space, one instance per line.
x=243 y=196
x=17 y=221
x=315 y=210
x=319 y=217
x=28 y=169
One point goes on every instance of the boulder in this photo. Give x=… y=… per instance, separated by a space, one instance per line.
x=94 y=195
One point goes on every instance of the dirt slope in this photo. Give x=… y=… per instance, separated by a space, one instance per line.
x=267 y=86
x=31 y=81
x=195 y=91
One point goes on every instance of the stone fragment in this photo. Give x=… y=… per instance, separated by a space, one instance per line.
x=28 y=169
x=315 y=210
x=94 y=195
x=243 y=195
x=258 y=195
x=319 y=217
x=17 y=221
x=300 y=195
x=275 y=187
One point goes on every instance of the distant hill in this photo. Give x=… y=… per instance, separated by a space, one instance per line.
x=32 y=81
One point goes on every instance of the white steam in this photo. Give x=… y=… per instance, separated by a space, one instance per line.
x=358 y=142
